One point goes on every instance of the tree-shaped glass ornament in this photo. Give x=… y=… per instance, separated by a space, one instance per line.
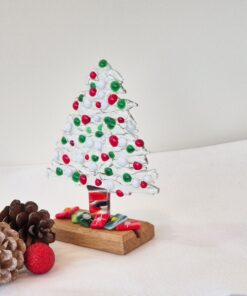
x=100 y=147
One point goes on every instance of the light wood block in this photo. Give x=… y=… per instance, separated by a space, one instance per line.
x=117 y=242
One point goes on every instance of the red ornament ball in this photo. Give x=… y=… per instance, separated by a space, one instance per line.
x=104 y=156
x=113 y=141
x=72 y=143
x=112 y=99
x=75 y=105
x=98 y=104
x=119 y=193
x=143 y=184
x=120 y=120
x=139 y=143
x=66 y=159
x=137 y=165
x=93 y=75
x=85 y=119
x=98 y=182
x=92 y=92
x=39 y=258
x=87 y=157
x=83 y=179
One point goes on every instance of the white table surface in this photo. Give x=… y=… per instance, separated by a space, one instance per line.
x=200 y=248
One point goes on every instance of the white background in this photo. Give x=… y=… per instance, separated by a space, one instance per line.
x=184 y=62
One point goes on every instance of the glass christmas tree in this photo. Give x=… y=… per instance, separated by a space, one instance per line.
x=100 y=146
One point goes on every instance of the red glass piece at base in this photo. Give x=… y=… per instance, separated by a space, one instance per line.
x=129 y=225
x=99 y=200
x=100 y=221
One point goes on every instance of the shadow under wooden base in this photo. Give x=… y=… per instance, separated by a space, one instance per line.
x=117 y=242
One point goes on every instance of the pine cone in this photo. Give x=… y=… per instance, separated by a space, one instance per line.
x=12 y=249
x=32 y=225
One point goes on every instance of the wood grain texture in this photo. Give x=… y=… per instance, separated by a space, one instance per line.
x=117 y=242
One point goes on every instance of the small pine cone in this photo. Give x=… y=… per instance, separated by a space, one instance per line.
x=32 y=225
x=12 y=250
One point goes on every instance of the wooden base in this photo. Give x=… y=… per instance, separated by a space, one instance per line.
x=117 y=242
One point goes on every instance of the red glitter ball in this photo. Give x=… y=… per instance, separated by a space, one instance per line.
x=98 y=182
x=92 y=92
x=87 y=157
x=120 y=120
x=144 y=184
x=66 y=159
x=104 y=156
x=112 y=99
x=93 y=75
x=139 y=143
x=72 y=143
x=113 y=140
x=119 y=193
x=85 y=119
x=137 y=165
x=75 y=105
x=83 y=179
x=98 y=104
x=39 y=258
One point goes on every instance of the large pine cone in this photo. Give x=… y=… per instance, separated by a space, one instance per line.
x=12 y=249
x=32 y=225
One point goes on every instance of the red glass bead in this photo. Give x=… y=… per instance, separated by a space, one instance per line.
x=72 y=143
x=75 y=105
x=144 y=184
x=87 y=157
x=104 y=156
x=66 y=159
x=139 y=143
x=119 y=193
x=85 y=119
x=98 y=104
x=98 y=182
x=83 y=179
x=120 y=120
x=93 y=75
x=113 y=141
x=92 y=92
x=137 y=165
x=112 y=99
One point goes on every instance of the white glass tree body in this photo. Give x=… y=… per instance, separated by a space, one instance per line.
x=100 y=144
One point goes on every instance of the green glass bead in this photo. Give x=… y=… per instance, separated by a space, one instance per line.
x=111 y=125
x=99 y=127
x=127 y=177
x=76 y=177
x=130 y=149
x=77 y=121
x=106 y=119
x=89 y=130
x=103 y=63
x=92 y=85
x=121 y=104
x=115 y=86
x=82 y=139
x=108 y=171
x=64 y=141
x=110 y=122
x=111 y=154
x=99 y=134
x=95 y=158
x=59 y=171
x=80 y=98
